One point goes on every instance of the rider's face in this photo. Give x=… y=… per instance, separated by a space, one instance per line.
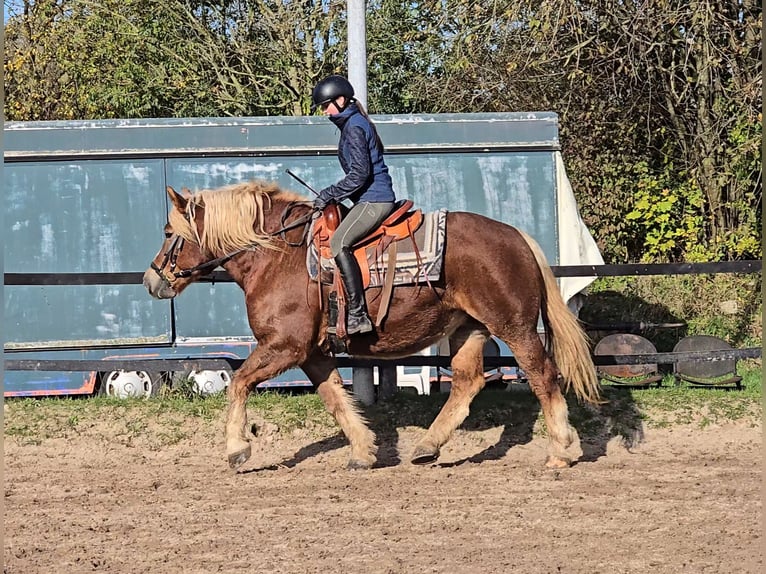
x=333 y=107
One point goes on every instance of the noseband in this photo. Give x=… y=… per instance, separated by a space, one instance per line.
x=171 y=256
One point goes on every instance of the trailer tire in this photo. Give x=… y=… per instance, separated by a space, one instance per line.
x=136 y=384
x=208 y=382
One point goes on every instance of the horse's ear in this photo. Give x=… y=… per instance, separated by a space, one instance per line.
x=179 y=200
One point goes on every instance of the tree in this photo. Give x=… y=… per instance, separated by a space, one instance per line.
x=89 y=59
x=658 y=99
x=658 y=95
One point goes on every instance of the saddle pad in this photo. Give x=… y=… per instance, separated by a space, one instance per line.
x=430 y=241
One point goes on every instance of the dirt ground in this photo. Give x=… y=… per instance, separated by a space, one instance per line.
x=685 y=500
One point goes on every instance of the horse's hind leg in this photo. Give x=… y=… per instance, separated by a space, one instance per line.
x=329 y=384
x=542 y=375
x=467 y=380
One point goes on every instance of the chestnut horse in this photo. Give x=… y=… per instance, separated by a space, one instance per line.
x=495 y=281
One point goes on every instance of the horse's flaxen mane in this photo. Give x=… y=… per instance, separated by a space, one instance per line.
x=234 y=216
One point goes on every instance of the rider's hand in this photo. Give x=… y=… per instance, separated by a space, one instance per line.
x=322 y=200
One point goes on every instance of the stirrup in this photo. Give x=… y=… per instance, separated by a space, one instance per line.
x=332 y=313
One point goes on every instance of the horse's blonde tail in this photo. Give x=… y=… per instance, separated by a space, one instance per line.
x=567 y=339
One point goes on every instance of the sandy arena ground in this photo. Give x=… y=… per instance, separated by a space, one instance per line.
x=687 y=500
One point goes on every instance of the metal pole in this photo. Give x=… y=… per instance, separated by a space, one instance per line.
x=357 y=48
x=363 y=385
x=387 y=382
x=362 y=377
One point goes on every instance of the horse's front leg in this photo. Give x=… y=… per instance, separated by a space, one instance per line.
x=329 y=384
x=262 y=364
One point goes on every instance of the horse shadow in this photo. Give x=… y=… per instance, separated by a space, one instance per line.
x=617 y=417
x=328 y=444
x=517 y=411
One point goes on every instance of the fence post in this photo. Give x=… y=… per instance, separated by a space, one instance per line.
x=386 y=382
x=363 y=385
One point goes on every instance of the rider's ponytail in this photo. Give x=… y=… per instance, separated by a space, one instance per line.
x=378 y=141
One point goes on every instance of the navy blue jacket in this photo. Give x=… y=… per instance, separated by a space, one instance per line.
x=367 y=177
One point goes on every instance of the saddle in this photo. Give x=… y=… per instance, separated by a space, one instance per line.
x=401 y=224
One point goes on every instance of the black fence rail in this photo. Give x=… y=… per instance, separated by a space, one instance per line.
x=627 y=269
x=630 y=269
x=343 y=361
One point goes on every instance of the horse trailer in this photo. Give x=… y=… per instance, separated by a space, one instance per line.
x=89 y=197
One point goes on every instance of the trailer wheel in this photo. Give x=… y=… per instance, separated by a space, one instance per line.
x=208 y=382
x=130 y=384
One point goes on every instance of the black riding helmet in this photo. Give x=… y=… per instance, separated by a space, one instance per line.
x=329 y=89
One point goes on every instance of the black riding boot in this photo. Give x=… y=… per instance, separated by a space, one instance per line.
x=357 y=320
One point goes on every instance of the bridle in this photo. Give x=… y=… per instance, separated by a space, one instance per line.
x=177 y=244
x=171 y=255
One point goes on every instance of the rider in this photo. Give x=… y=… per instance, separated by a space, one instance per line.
x=367 y=184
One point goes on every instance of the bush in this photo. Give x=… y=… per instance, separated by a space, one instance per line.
x=724 y=305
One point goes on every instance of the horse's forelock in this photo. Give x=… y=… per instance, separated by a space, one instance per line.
x=180 y=224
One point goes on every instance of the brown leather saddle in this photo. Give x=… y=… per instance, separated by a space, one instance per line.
x=401 y=224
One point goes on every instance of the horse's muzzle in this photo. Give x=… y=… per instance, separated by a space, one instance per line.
x=157 y=285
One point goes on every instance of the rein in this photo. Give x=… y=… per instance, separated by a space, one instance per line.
x=177 y=244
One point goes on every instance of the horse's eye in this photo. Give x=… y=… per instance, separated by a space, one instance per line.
x=168 y=235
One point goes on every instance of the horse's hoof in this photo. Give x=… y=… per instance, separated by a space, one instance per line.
x=557 y=462
x=424 y=455
x=238 y=458
x=355 y=464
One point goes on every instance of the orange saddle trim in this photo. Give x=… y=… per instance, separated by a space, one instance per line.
x=400 y=224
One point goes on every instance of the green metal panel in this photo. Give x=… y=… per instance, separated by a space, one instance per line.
x=89 y=196
x=516 y=188
x=83 y=217
x=275 y=135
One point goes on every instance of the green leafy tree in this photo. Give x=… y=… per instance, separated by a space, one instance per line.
x=658 y=100
x=146 y=58
x=658 y=86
